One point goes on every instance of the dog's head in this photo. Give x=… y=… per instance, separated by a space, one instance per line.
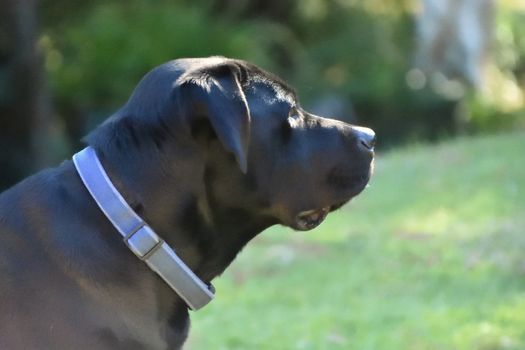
x=261 y=153
x=291 y=165
x=305 y=165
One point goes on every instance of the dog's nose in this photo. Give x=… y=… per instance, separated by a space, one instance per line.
x=366 y=137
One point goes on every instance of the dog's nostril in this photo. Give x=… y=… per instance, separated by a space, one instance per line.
x=370 y=144
x=366 y=137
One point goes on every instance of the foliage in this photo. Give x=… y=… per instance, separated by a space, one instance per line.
x=502 y=101
x=358 y=51
x=363 y=56
x=108 y=52
x=430 y=256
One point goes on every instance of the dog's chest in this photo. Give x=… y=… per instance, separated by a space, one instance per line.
x=132 y=318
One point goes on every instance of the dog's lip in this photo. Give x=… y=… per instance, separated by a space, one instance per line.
x=338 y=205
x=310 y=219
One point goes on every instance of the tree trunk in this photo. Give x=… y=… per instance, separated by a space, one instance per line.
x=25 y=109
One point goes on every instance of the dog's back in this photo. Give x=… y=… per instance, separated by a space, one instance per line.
x=52 y=286
x=34 y=282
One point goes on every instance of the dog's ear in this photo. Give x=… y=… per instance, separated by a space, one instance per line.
x=216 y=93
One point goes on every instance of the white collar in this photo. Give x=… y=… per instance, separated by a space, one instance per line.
x=138 y=236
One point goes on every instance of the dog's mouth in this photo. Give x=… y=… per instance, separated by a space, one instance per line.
x=310 y=219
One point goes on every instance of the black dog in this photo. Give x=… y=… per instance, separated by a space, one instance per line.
x=209 y=152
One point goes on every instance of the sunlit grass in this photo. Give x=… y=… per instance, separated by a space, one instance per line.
x=431 y=256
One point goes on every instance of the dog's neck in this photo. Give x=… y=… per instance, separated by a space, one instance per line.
x=179 y=206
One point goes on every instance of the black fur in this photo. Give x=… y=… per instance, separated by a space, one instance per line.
x=204 y=152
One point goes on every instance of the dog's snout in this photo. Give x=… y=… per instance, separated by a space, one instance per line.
x=366 y=137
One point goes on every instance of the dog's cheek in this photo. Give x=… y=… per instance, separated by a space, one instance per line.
x=202 y=131
x=285 y=132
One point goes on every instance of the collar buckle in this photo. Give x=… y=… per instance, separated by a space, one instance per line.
x=143 y=242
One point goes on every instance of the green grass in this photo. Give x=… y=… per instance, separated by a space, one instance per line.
x=430 y=256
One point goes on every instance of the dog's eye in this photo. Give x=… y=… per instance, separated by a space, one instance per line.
x=294 y=117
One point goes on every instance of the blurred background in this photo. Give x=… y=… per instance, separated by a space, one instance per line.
x=429 y=257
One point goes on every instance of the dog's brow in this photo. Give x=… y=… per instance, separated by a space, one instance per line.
x=285 y=90
x=282 y=90
x=274 y=92
x=286 y=96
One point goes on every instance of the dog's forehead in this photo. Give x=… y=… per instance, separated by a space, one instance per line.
x=253 y=78
x=270 y=91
